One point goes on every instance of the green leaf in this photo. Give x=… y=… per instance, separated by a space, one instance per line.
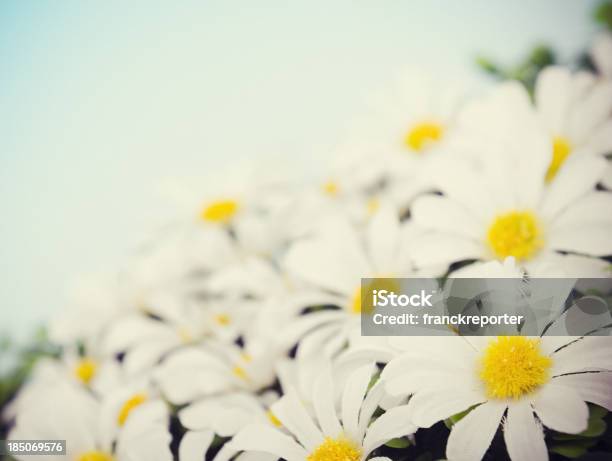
x=596 y=428
x=603 y=14
x=458 y=417
x=569 y=450
x=541 y=56
x=487 y=65
x=597 y=412
x=400 y=442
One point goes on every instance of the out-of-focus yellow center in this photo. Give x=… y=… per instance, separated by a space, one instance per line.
x=331 y=188
x=513 y=366
x=372 y=205
x=223 y=319
x=95 y=456
x=362 y=301
x=516 y=233
x=221 y=211
x=85 y=370
x=423 y=135
x=340 y=449
x=240 y=373
x=561 y=150
x=129 y=405
x=273 y=419
x=185 y=334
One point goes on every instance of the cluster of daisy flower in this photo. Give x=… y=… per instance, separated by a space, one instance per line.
x=235 y=333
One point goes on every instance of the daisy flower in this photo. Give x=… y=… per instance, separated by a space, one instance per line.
x=520 y=383
x=173 y=320
x=346 y=434
x=72 y=414
x=333 y=261
x=410 y=124
x=575 y=110
x=504 y=209
x=211 y=368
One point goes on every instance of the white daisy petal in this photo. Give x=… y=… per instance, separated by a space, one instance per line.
x=443 y=248
x=552 y=95
x=576 y=178
x=323 y=393
x=292 y=414
x=592 y=387
x=391 y=424
x=593 y=239
x=352 y=398
x=523 y=434
x=561 y=408
x=429 y=407
x=268 y=440
x=383 y=237
x=442 y=214
x=194 y=445
x=471 y=436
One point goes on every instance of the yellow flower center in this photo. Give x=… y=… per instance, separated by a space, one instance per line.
x=340 y=449
x=273 y=419
x=85 y=370
x=185 y=335
x=129 y=405
x=513 y=366
x=423 y=135
x=561 y=150
x=517 y=234
x=95 y=456
x=223 y=319
x=240 y=373
x=331 y=188
x=364 y=293
x=372 y=206
x=221 y=211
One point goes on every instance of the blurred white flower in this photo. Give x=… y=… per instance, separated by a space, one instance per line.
x=576 y=110
x=346 y=434
x=194 y=372
x=411 y=123
x=333 y=261
x=504 y=381
x=71 y=414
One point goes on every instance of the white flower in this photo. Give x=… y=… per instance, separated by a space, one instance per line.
x=576 y=111
x=347 y=434
x=194 y=372
x=601 y=52
x=92 y=373
x=508 y=381
x=333 y=261
x=505 y=209
x=410 y=124
x=71 y=414
x=172 y=320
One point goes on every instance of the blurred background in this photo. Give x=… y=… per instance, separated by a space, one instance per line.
x=101 y=103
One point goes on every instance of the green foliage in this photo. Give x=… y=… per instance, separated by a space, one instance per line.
x=525 y=71
x=603 y=14
x=400 y=442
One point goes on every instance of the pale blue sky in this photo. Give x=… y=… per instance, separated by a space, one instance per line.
x=101 y=101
